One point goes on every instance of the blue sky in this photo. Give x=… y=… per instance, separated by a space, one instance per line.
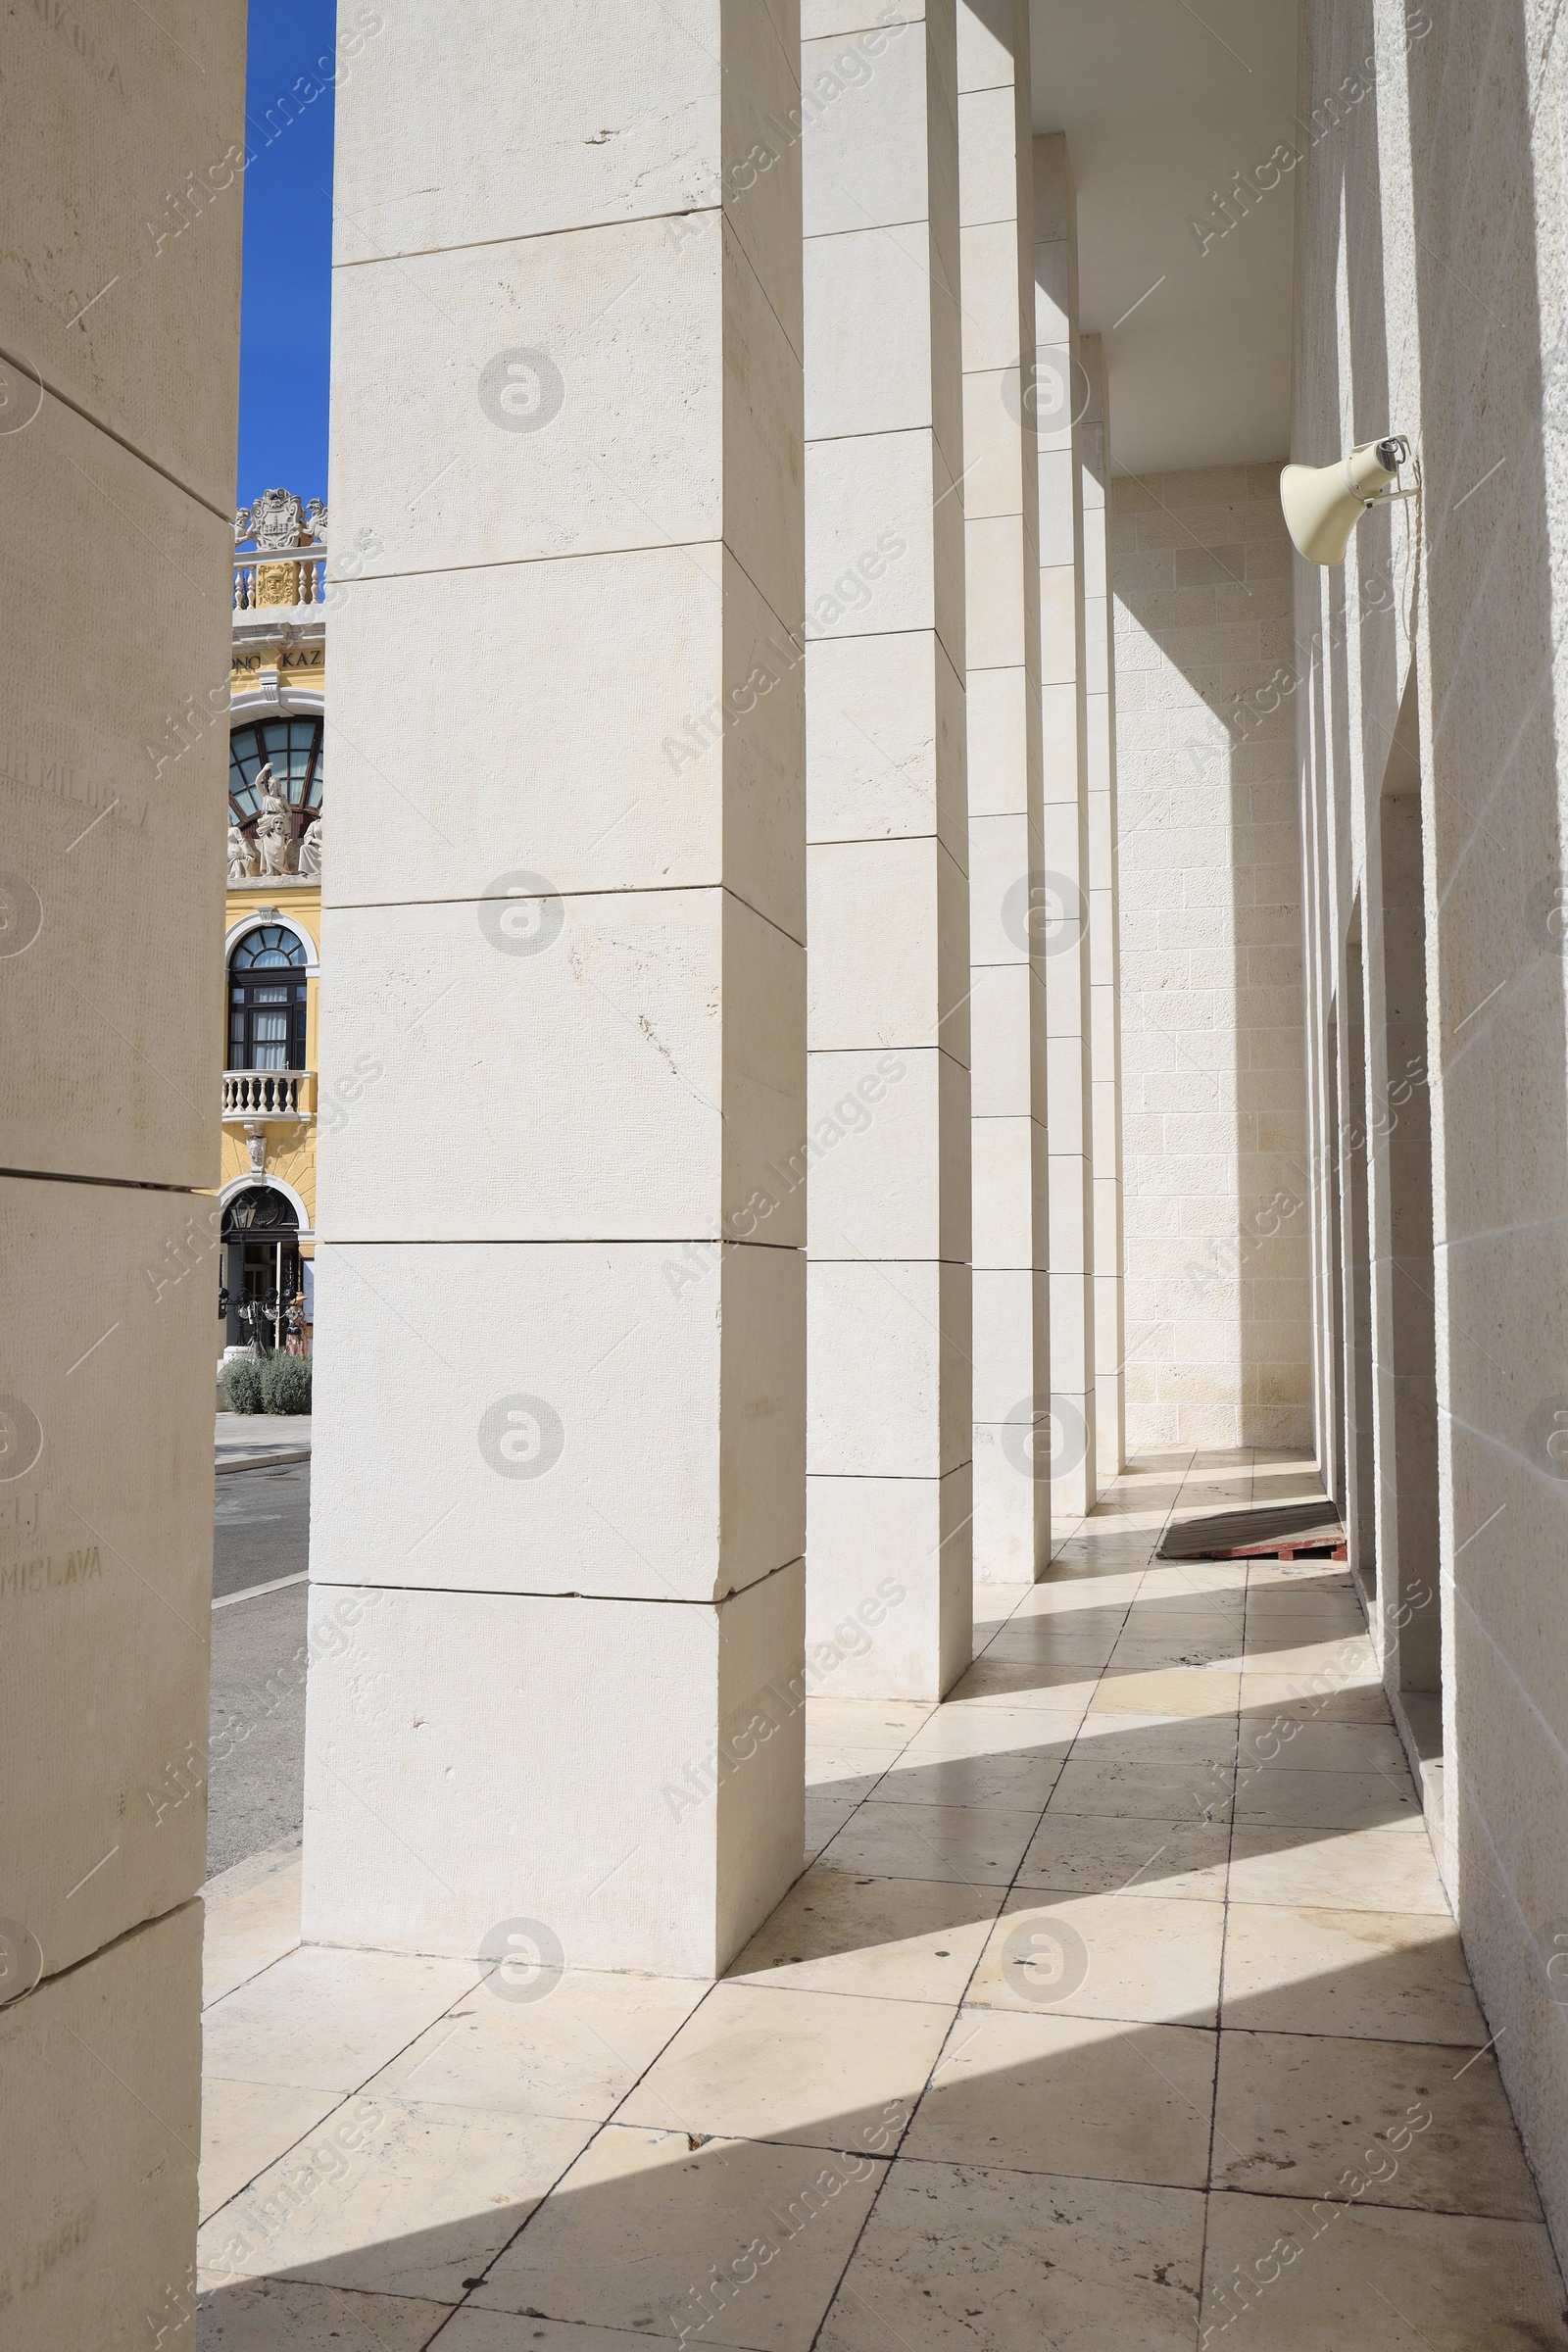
x=286 y=296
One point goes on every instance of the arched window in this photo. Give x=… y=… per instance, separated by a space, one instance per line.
x=267 y=1001
x=293 y=748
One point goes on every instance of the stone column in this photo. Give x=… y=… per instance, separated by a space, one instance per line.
x=557 y=1552
x=890 y=1442
x=1105 y=951
x=1061 y=398
x=1008 y=1001
x=119 y=354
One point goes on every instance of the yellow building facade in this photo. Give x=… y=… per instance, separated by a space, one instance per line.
x=272 y=948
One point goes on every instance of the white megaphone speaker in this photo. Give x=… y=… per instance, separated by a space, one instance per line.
x=1323 y=503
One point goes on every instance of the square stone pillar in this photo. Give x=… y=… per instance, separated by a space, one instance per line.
x=558 y=1508
x=1061 y=400
x=1002 y=607
x=890 y=1446
x=1104 y=954
x=119 y=377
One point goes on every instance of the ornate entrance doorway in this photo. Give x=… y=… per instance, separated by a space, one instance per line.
x=260 y=1268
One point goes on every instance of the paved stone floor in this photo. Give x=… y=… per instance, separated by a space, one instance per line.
x=1122 y=2010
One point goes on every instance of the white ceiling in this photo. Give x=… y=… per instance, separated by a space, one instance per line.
x=1161 y=102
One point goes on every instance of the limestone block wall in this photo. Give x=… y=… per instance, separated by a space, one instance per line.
x=118 y=361
x=1432 y=202
x=1214 y=1183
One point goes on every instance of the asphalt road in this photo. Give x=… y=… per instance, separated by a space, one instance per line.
x=255 y=1792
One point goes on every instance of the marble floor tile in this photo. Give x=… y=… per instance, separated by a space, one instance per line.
x=1274 y=1651
x=247 y=2127
x=1152 y=1791
x=1048 y=2093
x=1326 y=1699
x=327 y=2020
x=471 y=2329
x=1295 y=1746
x=1036 y=1733
x=252 y=1919
x=822 y=2070
x=825 y=1816
x=1169 y=1690
x=1325 y=1800
x=1024 y=1683
x=1155 y=1742
x=1143 y=1958
x=427 y=2197
x=848 y=1774
x=576 y=2052
x=1321 y=2279
x=740 y=2241
x=1384 y=1976
x=1096 y=1854
x=976 y=1845
x=892 y=1938
x=866 y=1722
x=1386 y=1867
x=996 y=2261
x=1428 y=2125
x=1014 y=1784
x=287 y=2314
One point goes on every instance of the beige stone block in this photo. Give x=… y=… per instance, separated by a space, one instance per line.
x=608 y=1007
x=122 y=286
x=608 y=1419
x=1012 y=910
x=1011 y=1347
x=398 y=139
x=1008 y=1016
x=605 y=471
x=1011 y=1192
x=888 y=1584
x=869 y=332
x=100 y=2078
x=889 y=964
x=866 y=156
x=885 y=741
x=105 y=1553
x=994 y=466
x=669 y=1868
x=111 y=767
x=995 y=552
x=1011 y=1511
x=988 y=159
x=913 y=1323
x=1001 y=729
x=889 y=1155
x=1058 y=589
x=870 y=501
x=687 y=775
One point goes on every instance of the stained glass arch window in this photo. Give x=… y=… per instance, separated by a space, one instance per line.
x=293 y=748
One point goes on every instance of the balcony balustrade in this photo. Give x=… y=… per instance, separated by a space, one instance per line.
x=254 y=1094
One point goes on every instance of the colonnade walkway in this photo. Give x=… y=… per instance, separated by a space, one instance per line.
x=1122 y=2010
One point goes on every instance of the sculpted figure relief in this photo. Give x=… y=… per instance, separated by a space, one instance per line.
x=311 y=851
x=241 y=857
x=273 y=831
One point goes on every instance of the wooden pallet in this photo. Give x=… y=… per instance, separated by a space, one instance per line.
x=1283 y=1531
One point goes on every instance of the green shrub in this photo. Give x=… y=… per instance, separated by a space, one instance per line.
x=286 y=1383
x=242 y=1386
